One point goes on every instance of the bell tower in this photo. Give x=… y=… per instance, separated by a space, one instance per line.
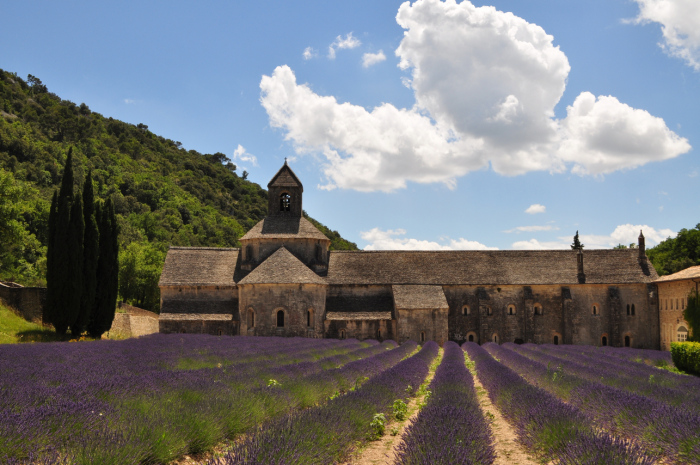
x=284 y=192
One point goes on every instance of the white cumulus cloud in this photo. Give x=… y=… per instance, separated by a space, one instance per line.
x=536 y=228
x=534 y=244
x=340 y=43
x=240 y=154
x=369 y=59
x=485 y=84
x=392 y=239
x=309 y=53
x=680 y=26
x=536 y=208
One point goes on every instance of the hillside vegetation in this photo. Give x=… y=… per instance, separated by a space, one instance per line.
x=676 y=254
x=163 y=194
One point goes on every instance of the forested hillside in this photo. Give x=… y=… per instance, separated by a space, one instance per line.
x=676 y=254
x=163 y=194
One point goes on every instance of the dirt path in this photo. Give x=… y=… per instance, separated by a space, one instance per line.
x=508 y=451
x=383 y=451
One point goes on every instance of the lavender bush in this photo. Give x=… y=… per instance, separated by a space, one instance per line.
x=327 y=434
x=545 y=425
x=450 y=429
x=657 y=426
x=154 y=398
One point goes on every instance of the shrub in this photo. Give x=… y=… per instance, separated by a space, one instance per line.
x=377 y=425
x=400 y=410
x=686 y=356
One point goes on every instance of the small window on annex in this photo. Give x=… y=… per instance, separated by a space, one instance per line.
x=632 y=307
x=628 y=309
x=422 y=336
x=682 y=334
x=309 y=318
x=285 y=202
x=495 y=338
x=280 y=318
x=538 y=309
x=595 y=309
x=511 y=309
x=342 y=334
x=251 y=318
x=465 y=310
x=489 y=311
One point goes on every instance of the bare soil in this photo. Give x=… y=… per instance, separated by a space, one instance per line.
x=508 y=450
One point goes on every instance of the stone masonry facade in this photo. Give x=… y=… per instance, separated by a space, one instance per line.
x=284 y=281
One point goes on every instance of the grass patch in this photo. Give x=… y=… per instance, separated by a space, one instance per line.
x=14 y=329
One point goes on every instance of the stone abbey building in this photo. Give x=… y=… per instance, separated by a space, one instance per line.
x=284 y=281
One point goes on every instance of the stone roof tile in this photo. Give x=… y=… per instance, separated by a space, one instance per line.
x=492 y=267
x=282 y=268
x=344 y=316
x=418 y=296
x=275 y=227
x=195 y=317
x=199 y=266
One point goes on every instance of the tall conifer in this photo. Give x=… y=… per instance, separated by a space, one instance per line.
x=91 y=251
x=58 y=280
x=50 y=262
x=107 y=271
x=74 y=266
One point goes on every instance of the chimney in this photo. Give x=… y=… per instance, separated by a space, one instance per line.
x=579 y=264
x=642 y=247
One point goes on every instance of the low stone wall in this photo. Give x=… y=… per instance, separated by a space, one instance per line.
x=133 y=322
x=28 y=301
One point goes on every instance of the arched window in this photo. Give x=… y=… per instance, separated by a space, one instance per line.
x=342 y=334
x=604 y=340
x=249 y=253
x=221 y=332
x=556 y=340
x=422 y=336
x=309 y=318
x=251 y=318
x=628 y=341
x=538 y=309
x=489 y=311
x=628 y=309
x=280 y=318
x=379 y=334
x=471 y=338
x=285 y=202
x=595 y=309
x=511 y=309
x=319 y=253
x=682 y=334
x=495 y=338
x=632 y=310
x=465 y=310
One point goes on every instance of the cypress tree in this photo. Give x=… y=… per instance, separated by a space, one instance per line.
x=91 y=250
x=74 y=266
x=58 y=279
x=50 y=263
x=107 y=272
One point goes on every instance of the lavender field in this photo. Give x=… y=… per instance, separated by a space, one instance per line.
x=155 y=399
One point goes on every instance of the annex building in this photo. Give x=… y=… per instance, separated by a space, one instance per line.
x=284 y=281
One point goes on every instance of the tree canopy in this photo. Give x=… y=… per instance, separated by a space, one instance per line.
x=676 y=254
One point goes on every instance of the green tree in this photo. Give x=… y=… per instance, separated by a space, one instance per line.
x=577 y=243
x=91 y=251
x=691 y=314
x=107 y=272
x=60 y=294
x=73 y=267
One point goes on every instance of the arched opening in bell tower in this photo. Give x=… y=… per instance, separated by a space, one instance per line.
x=285 y=202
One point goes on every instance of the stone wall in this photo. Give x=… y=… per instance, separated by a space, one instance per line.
x=259 y=304
x=133 y=322
x=539 y=314
x=673 y=297
x=422 y=325
x=28 y=301
x=380 y=330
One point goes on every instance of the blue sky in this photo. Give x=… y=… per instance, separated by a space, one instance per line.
x=503 y=124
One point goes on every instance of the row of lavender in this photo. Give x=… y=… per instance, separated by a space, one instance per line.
x=155 y=398
x=549 y=428
x=327 y=434
x=450 y=429
x=653 y=418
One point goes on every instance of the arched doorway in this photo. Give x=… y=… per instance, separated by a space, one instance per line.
x=556 y=340
x=628 y=341
x=604 y=341
x=280 y=318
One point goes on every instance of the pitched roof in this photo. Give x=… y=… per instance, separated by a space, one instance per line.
x=285 y=177
x=282 y=268
x=419 y=296
x=345 y=302
x=199 y=266
x=344 y=316
x=492 y=267
x=688 y=273
x=195 y=317
x=200 y=305
x=276 y=227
